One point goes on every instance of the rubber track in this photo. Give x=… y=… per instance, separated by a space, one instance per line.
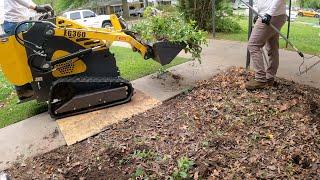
x=87 y=80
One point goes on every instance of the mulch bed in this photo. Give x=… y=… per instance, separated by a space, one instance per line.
x=218 y=130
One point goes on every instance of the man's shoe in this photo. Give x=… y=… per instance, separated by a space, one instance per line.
x=24 y=91
x=272 y=83
x=254 y=84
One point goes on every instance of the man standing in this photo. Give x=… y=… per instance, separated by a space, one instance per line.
x=16 y=11
x=273 y=11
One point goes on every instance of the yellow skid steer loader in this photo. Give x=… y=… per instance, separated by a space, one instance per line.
x=70 y=67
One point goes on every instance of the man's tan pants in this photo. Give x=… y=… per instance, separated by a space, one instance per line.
x=264 y=35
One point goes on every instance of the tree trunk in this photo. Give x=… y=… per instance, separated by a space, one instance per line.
x=125 y=8
x=201 y=12
x=145 y=2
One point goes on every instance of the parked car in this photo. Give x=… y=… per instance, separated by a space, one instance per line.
x=89 y=18
x=140 y=12
x=309 y=13
x=294 y=14
x=132 y=11
x=154 y=11
x=239 y=5
x=294 y=8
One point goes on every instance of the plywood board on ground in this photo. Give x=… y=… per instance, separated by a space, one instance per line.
x=80 y=127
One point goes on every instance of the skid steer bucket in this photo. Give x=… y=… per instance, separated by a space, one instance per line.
x=165 y=52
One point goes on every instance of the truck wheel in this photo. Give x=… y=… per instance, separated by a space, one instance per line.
x=106 y=24
x=300 y=14
x=317 y=16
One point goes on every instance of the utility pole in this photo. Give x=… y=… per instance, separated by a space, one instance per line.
x=125 y=9
x=214 y=18
x=249 y=33
x=289 y=22
x=145 y=2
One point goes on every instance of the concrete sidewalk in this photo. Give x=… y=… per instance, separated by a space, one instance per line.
x=220 y=54
x=40 y=134
x=227 y=53
x=36 y=135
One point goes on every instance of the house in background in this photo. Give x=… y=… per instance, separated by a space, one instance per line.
x=112 y=6
x=163 y=2
x=115 y=6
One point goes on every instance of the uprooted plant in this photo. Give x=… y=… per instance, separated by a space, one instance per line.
x=172 y=27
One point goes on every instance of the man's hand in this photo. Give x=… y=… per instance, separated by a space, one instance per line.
x=266 y=19
x=43 y=8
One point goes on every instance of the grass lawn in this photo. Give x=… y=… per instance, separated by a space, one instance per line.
x=308 y=20
x=131 y=65
x=305 y=37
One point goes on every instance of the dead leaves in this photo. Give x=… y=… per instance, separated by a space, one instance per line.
x=287 y=105
x=228 y=132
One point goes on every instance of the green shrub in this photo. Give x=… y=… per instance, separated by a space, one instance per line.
x=167 y=8
x=227 y=25
x=201 y=12
x=139 y=174
x=172 y=27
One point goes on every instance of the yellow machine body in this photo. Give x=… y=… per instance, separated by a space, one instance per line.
x=65 y=69
x=14 y=62
x=69 y=66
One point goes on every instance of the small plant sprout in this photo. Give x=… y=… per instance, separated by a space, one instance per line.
x=144 y=154
x=182 y=172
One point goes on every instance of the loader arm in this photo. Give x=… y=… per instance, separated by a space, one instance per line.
x=72 y=30
x=103 y=35
x=162 y=52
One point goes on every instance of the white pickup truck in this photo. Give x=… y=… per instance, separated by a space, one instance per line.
x=89 y=18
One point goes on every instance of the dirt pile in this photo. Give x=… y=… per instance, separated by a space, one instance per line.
x=218 y=130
